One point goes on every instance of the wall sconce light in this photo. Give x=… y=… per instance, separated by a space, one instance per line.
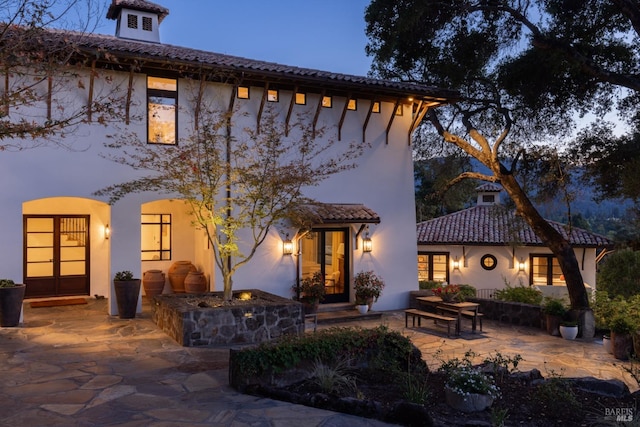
x=456 y=264
x=107 y=232
x=367 y=245
x=287 y=246
x=521 y=265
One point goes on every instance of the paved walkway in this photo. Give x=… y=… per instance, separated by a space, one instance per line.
x=77 y=366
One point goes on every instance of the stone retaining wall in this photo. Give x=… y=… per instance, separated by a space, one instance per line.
x=263 y=318
x=508 y=312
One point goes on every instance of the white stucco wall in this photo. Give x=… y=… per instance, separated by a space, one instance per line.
x=472 y=273
x=55 y=180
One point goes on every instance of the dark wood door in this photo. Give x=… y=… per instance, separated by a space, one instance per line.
x=56 y=254
x=327 y=251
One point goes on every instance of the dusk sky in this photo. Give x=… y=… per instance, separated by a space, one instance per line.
x=321 y=34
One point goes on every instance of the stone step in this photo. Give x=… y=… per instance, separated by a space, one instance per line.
x=347 y=315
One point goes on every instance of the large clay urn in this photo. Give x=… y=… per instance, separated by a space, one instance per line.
x=195 y=283
x=11 y=304
x=177 y=273
x=153 y=283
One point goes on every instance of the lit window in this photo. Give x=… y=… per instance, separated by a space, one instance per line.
x=147 y=23
x=162 y=99
x=301 y=98
x=545 y=270
x=433 y=266
x=272 y=95
x=352 y=104
x=243 y=92
x=399 y=110
x=155 y=238
x=132 y=21
x=327 y=101
x=376 y=107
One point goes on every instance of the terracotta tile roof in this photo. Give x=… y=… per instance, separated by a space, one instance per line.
x=494 y=225
x=338 y=213
x=120 y=52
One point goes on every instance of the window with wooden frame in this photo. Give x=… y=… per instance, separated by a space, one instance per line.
x=155 y=237
x=433 y=266
x=545 y=271
x=162 y=110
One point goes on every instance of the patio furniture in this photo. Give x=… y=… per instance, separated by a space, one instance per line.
x=470 y=309
x=414 y=313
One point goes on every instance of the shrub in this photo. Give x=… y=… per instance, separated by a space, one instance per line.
x=428 y=284
x=554 y=307
x=620 y=274
x=520 y=293
x=7 y=283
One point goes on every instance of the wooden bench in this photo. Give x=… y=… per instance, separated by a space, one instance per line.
x=470 y=314
x=427 y=315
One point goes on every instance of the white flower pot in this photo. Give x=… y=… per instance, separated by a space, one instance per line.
x=362 y=308
x=606 y=342
x=469 y=402
x=569 y=332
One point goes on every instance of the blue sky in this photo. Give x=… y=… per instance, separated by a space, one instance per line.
x=321 y=34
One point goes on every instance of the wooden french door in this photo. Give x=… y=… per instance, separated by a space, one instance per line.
x=327 y=251
x=56 y=254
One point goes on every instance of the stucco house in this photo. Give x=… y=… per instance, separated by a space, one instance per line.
x=488 y=246
x=62 y=240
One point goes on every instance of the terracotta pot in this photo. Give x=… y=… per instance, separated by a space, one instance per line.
x=195 y=283
x=310 y=307
x=553 y=324
x=622 y=345
x=153 y=283
x=11 y=305
x=127 y=293
x=177 y=273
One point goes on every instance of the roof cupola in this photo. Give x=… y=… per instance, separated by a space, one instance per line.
x=137 y=19
x=488 y=194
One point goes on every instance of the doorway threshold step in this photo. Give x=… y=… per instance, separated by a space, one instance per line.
x=346 y=315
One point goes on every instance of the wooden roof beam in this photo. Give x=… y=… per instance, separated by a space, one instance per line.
x=318 y=109
x=291 y=104
x=366 y=120
x=265 y=94
x=342 y=116
x=393 y=116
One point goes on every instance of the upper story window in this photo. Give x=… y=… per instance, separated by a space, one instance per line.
x=272 y=95
x=162 y=111
x=352 y=104
x=155 y=239
x=375 y=108
x=132 y=21
x=545 y=270
x=147 y=23
x=327 y=101
x=433 y=266
x=300 y=98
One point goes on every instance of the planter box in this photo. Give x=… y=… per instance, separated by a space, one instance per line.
x=194 y=321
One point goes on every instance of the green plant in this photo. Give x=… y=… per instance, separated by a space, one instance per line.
x=125 y=275
x=502 y=364
x=7 y=283
x=312 y=289
x=498 y=417
x=619 y=275
x=622 y=323
x=367 y=284
x=466 y=380
x=522 y=294
x=333 y=378
x=467 y=291
x=554 y=307
x=556 y=393
x=569 y=323
x=428 y=284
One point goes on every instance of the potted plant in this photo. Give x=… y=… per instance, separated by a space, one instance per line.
x=468 y=389
x=127 y=293
x=11 y=297
x=622 y=328
x=569 y=329
x=368 y=287
x=311 y=292
x=448 y=293
x=554 y=311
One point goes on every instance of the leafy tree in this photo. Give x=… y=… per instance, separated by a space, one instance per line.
x=240 y=183
x=523 y=68
x=34 y=110
x=620 y=274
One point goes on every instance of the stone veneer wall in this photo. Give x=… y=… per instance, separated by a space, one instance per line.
x=266 y=317
x=508 y=312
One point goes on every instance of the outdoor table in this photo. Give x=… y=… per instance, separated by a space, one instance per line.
x=458 y=307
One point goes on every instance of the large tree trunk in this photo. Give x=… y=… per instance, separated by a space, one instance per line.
x=553 y=239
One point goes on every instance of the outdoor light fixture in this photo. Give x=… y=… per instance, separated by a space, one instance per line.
x=521 y=265
x=107 y=232
x=367 y=246
x=456 y=264
x=287 y=246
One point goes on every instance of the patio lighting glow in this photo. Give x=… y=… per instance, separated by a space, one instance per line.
x=287 y=246
x=367 y=245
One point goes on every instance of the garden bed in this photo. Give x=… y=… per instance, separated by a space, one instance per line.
x=203 y=320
